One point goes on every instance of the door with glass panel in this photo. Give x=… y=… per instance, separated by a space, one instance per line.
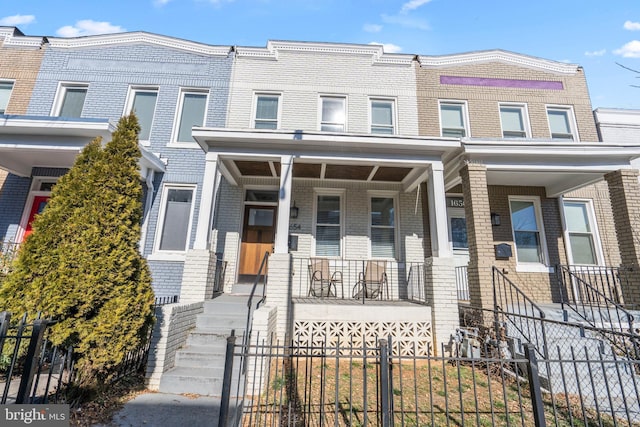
x=258 y=234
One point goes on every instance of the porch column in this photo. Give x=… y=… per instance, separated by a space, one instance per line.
x=479 y=234
x=284 y=203
x=210 y=185
x=624 y=192
x=438 y=212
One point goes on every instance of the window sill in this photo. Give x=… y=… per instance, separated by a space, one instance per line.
x=167 y=256
x=190 y=145
x=534 y=268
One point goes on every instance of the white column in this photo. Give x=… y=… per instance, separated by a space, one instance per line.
x=438 y=212
x=207 y=201
x=284 y=204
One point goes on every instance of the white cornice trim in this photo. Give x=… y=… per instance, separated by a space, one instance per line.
x=12 y=37
x=617 y=117
x=139 y=37
x=497 y=55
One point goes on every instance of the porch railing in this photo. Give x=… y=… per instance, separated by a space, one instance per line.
x=219 y=274
x=462 y=283
x=348 y=277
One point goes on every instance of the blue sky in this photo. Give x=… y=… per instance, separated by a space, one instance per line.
x=594 y=34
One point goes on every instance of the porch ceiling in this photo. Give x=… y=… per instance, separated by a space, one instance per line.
x=559 y=167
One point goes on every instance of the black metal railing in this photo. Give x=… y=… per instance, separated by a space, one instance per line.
x=341 y=384
x=164 y=300
x=593 y=293
x=317 y=279
x=8 y=253
x=516 y=314
x=462 y=283
x=251 y=306
x=219 y=274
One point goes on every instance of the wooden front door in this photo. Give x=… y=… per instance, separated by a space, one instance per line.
x=39 y=202
x=258 y=234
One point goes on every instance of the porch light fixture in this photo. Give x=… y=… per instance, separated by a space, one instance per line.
x=495 y=219
x=293 y=211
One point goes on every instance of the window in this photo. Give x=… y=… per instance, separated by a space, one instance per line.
x=5 y=94
x=453 y=119
x=458 y=227
x=561 y=123
x=513 y=119
x=70 y=101
x=526 y=223
x=142 y=101
x=176 y=219
x=382 y=116
x=328 y=225
x=579 y=221
x=333 y=114
x=383 y=227
x=192 y=109
x=267 y=111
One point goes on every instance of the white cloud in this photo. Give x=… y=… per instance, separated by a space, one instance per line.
x=87 y=27
x=629 y=50
x=12 y=21
x=405 y=21
x=632 y=26
x=596 y=52
x=160 y=3
x=372 y=28
x=388 y=47
x=412 y=5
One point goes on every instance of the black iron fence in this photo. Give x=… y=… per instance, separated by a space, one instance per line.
x=289 y=385
x=164 y=300
x=219 y=274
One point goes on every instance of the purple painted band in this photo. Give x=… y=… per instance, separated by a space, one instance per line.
x=486 y=81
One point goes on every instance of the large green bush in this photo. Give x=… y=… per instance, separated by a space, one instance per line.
x=82 y=266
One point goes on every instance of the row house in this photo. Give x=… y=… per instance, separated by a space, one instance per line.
x=376 y=184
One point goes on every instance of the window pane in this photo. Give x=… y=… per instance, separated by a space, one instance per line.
x=383 y=243
x=176 y=220
x=73 y=102
x=512 y=122
x=523 y=216
x=332 y=128
x=451 y=116
x=383 y=130
x=328 y=210
x=528 y=246
x=459 y=233
x=5 y=93
x=327 y=240
x=193 y=108
x=559 y=124
x=144 y=105
x=333 y=112
x=381 y=113
x=267 y=108
x=261 y=217
x=382 y=211
x=576 y=217
x=582 y=250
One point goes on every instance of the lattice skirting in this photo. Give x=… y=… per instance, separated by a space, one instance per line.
x=409 y=338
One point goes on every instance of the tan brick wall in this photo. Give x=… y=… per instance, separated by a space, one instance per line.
x=21 y=65
x=483 y=102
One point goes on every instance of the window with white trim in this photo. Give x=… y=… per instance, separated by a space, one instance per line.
x=579 y=220
x=175 y=218
x=561 y=123
x=514 y=121
x=328 y=227
x=382 y=116
x=70 y=100
x=142 y=101
x=5 y=93
x=453 y=119
x=334 y=113
x=383 y=226
x=526 y=223
x=267 y=109
x=191 y=112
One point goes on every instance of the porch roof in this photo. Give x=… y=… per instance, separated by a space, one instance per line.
x=324 y=155
x=43 y=141
x=558 y=166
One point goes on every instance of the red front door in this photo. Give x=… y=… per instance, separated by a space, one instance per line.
x=39 y=202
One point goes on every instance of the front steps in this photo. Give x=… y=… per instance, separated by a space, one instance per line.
x=199 y=366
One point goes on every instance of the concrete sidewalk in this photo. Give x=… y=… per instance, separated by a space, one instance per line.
x=161 y=409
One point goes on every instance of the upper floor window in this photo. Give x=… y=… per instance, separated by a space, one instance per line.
x=70 y=99
x=5 y=94
x=561 y=123
x=333 y=114
x=383 y=227
x=191 y=112
x=514 y=121
x=453 y=119
x=382 y=120
x=142 y=101
x=267 y=111
x=526 y=222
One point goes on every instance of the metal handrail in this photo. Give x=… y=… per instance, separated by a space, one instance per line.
x=247 y=331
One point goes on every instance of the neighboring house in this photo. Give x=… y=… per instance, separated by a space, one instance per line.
x=340 y=160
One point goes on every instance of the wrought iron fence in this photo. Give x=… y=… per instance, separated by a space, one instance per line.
x=164 y=300
x=289 y=385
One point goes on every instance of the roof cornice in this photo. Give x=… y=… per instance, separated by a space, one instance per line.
x=139 y=37
x=13 y=37
x=470 y=58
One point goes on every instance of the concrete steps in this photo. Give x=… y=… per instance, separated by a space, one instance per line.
x=199 y=366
